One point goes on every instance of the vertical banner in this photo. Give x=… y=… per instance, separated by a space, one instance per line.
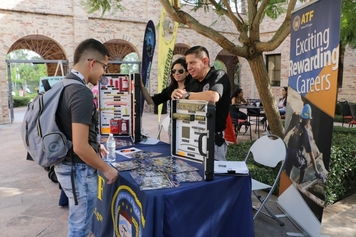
x=312 y=94
x=167 y=38
x=149 y=43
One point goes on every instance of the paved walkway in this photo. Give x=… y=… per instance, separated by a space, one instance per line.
x=29 y=200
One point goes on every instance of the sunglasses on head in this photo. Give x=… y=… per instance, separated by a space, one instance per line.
x=180 y=71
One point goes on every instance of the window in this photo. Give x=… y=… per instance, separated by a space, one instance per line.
x=273 y=63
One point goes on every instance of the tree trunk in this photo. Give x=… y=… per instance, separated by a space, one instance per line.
x=264 y=89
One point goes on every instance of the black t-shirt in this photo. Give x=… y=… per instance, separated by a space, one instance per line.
x=216 y=80
x=164 y=96
x=166 y=93
x=77 y=106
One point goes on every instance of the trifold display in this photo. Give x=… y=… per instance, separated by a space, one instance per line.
x=119 y=106
x=193 y=130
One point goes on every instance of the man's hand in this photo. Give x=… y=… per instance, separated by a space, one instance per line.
x=103 y=151
x=178 y=94
x=111 y=174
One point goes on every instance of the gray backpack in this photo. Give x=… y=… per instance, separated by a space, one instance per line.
x=41 y=136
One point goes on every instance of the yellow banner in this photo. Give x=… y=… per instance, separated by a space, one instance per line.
x=166 y=40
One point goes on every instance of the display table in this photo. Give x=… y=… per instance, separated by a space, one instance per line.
x=221 y=207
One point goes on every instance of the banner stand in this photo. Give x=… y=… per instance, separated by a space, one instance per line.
x=310 y=111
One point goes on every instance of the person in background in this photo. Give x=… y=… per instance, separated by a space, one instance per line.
x=209 y=85
x=238 y=99
x=77 y=118
x=95 y=92
x=180 y=78
x=281 y=104
x=283 y=101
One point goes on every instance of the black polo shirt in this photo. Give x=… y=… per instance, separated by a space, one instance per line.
x=216 y=80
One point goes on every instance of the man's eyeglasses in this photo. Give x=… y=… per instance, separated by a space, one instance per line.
x=105 y=66
x=180 y=71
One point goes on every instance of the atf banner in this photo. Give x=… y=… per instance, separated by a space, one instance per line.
x=312 y=93
x=149 y=43
x=167 y=38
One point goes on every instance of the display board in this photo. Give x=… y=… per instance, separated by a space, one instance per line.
x=119 y=105
x=193 y=131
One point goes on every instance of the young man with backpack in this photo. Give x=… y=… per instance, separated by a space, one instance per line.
x=77 y=118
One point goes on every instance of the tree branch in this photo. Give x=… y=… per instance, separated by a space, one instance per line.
x=186 y=19
x=281 y=34
x=238 y=24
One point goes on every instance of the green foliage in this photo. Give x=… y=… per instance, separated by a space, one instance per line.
x=348 y=23
x=20 y=101
x=342 y=172
x=102 y=5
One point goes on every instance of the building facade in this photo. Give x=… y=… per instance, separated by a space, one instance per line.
x=53 y=30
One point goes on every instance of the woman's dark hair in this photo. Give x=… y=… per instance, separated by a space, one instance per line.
x=174 y=84
x=237 y=91
x=286 y=90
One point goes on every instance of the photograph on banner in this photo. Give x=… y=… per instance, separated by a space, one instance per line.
x=312 y=94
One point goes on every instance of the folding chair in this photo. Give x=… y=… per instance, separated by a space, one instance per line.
x=164 y=124
x=353 y=115
x=346 y=112
x=268 y=150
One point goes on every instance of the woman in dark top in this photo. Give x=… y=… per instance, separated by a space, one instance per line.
x=180 y=78
x=238 y=99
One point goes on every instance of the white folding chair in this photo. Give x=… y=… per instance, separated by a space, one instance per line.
x=268 y=150
x=164 y=124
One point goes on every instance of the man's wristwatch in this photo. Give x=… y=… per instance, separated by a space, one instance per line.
x=186 y=96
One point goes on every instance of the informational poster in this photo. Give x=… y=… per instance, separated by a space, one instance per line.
x=312 y=94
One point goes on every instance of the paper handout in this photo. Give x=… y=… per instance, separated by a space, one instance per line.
x=230 y=168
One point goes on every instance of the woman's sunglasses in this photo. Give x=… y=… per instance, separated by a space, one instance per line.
x=180 y=71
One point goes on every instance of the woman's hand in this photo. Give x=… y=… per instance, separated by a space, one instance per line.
x=178 y=94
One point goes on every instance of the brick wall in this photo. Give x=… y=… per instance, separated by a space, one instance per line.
x=67 y=23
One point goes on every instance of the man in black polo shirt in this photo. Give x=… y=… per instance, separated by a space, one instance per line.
x=210 y=85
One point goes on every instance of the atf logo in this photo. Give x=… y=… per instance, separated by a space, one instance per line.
x=305 y=18
x=296 y=23
x=126 y=212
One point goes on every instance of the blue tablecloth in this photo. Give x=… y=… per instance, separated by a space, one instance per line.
x=220 y=208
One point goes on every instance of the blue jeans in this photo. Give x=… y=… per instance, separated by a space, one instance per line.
x=86 y=188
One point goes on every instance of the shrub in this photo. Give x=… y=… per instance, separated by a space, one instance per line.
x=20 y=101
x=342 y=171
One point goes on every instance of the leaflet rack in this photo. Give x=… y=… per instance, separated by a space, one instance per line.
x=193 y=130
x=119 y=105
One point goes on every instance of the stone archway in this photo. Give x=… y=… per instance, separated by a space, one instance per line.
x=231 y=61
x=180 y=49
x=46 y=47
x=118 y=49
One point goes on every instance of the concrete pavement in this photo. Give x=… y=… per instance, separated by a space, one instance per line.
x=29 y=199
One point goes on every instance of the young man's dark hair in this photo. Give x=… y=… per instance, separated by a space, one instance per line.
x=90 y=46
